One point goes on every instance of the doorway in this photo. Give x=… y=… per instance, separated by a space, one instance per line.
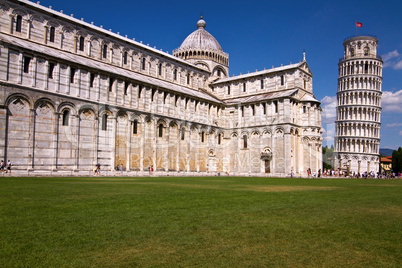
x=267 y=166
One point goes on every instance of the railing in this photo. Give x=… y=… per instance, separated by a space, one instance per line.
x=361 y=35
x=360 y=55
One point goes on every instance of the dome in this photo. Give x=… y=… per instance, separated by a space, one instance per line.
x=200 y=39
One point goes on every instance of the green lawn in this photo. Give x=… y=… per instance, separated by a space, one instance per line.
x=204 y=222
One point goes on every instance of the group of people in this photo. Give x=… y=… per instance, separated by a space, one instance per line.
x=5 y=168
x=151 y=170
x=119 y=169
x=313 y=174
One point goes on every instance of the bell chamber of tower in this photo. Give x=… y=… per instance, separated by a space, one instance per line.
x=358 y=121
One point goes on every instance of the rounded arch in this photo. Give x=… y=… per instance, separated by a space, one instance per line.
x=67 y=106
x=234 y=134
x=267 y=131
x=37 y=17
x=19 y=11
x=163 y=122
x=52 y=23
x=18 y=96
x=279 y=130
x=42 y=101
x=173 y=124
x=203 y=64
x=137 y=117
x=105 y=111
x=220 y=68
x=68 y=29
x=255 y=132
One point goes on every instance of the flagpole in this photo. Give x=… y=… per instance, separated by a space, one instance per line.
x=356 y=29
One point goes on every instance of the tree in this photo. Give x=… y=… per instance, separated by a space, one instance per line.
x=327 y=157
x=397 y=160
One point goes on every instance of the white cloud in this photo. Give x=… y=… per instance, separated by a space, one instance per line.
x=328 y=104
x=391 y=102
x=393 y=59
x=390 y=55
x=400 y=133
x=394 y=125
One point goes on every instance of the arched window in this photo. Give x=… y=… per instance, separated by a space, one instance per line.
x=27 y=61
x=81 y=46
x=202 y=136
x=242 y=111
x=160 y=69
x=111 y=82
x=52 y=34
x=352 y=52
x=104 y=51
x=160 y=130
x=50 y=70
x=135 y=126
x=175 y=74
x=228 y=90
x=188 y=79
x=125 y=57
x=139 y=91
x=245 y=142
x=262 y=83
x=182 y=133
x=66 y=115
x=366 y=51
x=72 y=74
x=104 y=122
x=143 y=64
x=282 y=80
x=219 y=138
x=218 y=72
x=244 y=87
x=18 y=24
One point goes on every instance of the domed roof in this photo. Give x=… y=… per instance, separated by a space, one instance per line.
x=200 y=39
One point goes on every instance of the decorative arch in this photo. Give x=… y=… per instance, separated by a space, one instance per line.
x=67 y=106
x=52 y=23
x=40 y=102
x=163 y=122
x=18 y=96
x=19 y=11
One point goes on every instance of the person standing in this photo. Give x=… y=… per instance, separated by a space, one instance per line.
x=121 y=169
x=2 y=166
x=9 y=166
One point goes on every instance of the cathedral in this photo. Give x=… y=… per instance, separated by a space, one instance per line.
x=74 y=95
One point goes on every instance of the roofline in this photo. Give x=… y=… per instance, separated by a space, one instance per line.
x=253 y=74
x=110 y=33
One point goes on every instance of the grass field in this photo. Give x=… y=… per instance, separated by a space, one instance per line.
x=204 y=222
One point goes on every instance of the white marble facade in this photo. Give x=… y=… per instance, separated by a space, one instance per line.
x=73 y=95
x=357 y=137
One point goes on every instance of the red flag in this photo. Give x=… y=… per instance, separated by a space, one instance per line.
x=359 y=24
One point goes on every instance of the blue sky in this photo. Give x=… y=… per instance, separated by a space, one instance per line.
x=258 y=34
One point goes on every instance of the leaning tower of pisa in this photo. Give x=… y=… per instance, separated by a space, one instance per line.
x=357 y=125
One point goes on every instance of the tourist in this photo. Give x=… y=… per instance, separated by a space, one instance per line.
x=2 y=166
x=9 y=166
x=121 y=169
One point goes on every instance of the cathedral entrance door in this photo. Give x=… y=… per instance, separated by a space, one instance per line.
x=267 y=166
